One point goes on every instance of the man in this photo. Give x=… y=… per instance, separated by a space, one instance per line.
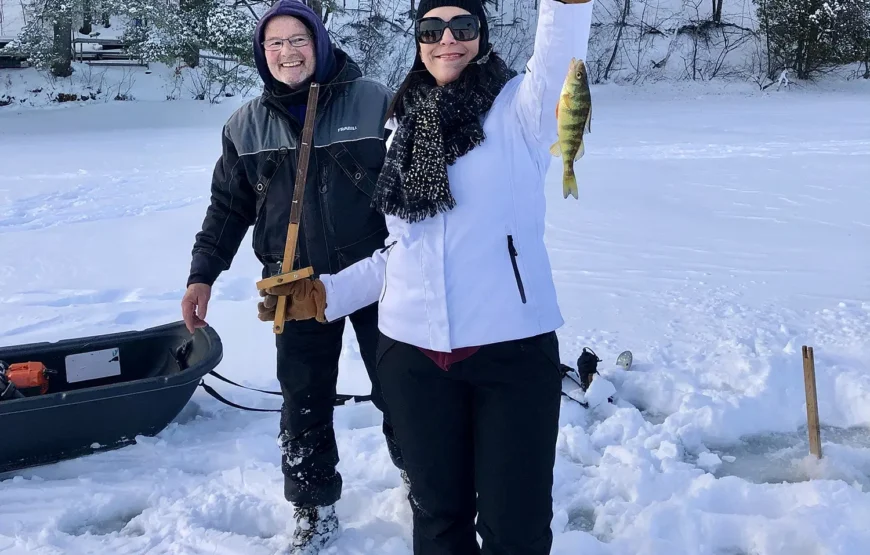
x=253 y=184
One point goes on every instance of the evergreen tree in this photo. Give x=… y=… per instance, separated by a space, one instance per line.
x=45 y=38
x=811 y=35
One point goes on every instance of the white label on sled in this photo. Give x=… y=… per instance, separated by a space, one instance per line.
x=93 y=365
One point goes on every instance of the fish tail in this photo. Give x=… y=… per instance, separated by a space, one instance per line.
x=569 y=181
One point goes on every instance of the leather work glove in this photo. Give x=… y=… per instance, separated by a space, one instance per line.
x=306 y=299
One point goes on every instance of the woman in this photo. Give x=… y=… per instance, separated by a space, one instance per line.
x=468 y=357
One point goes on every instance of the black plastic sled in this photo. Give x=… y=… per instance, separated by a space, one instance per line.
x=103 y=391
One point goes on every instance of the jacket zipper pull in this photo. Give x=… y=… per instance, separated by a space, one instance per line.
x=512 y=251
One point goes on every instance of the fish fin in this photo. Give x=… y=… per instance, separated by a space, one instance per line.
x=580 y=151
x=557 y=111
x=556 y=149
x=589 y=121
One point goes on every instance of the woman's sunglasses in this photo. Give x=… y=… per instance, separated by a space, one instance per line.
x=429 y=30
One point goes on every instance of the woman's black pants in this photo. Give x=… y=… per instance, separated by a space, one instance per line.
x=478 y=440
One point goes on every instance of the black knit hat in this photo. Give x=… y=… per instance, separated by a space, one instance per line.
x=475 y=7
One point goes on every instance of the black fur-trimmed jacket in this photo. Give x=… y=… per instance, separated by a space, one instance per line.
x=254 y=178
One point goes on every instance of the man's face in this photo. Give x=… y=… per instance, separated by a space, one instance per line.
x=291 y=65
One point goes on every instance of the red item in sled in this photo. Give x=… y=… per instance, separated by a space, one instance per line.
x=28 y=375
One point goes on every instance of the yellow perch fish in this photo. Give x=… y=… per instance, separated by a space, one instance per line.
x=573 y=119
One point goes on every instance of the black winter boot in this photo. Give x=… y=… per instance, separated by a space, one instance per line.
x=316 y=529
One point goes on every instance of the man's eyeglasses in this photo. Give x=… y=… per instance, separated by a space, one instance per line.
x=295 y=42
x=429 y=30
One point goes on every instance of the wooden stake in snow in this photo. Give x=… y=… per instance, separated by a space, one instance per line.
x=812 y=402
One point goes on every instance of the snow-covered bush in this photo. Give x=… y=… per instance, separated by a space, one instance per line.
x=161 y=32
x=157 y=31
x=811 y=35
x=45 y=37
x=229 y=32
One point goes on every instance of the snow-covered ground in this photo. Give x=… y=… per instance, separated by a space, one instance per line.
x=715 y=234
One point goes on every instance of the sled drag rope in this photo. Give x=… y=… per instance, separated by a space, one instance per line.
x=813 y=428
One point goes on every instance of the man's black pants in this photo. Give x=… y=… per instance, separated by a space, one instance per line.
x=477 y=439
x=308 y=354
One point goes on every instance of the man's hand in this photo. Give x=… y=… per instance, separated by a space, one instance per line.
x=306 y=299
x=194 y=305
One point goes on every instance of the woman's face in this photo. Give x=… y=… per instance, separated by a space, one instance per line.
x=445 y=59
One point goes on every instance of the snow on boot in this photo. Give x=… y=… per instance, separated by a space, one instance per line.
x=316 y=529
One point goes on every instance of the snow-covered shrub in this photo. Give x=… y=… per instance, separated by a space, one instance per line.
x=44 y=39
x=213 y=80
x=811 y=35
x=155 y=31
x=229 y=32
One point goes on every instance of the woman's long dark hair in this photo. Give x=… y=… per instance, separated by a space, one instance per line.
x=473 y=74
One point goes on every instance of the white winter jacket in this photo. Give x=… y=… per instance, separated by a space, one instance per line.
x=480 y=273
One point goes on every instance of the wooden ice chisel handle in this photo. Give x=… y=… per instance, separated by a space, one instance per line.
x=286 y=266
x=287 y=275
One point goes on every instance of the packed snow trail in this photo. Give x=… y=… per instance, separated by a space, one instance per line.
x=714 y=235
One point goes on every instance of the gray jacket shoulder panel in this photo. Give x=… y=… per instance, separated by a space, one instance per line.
x=355 y=114
x=251 y=129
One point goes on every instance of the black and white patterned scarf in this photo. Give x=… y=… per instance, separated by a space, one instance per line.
x=440 y=125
